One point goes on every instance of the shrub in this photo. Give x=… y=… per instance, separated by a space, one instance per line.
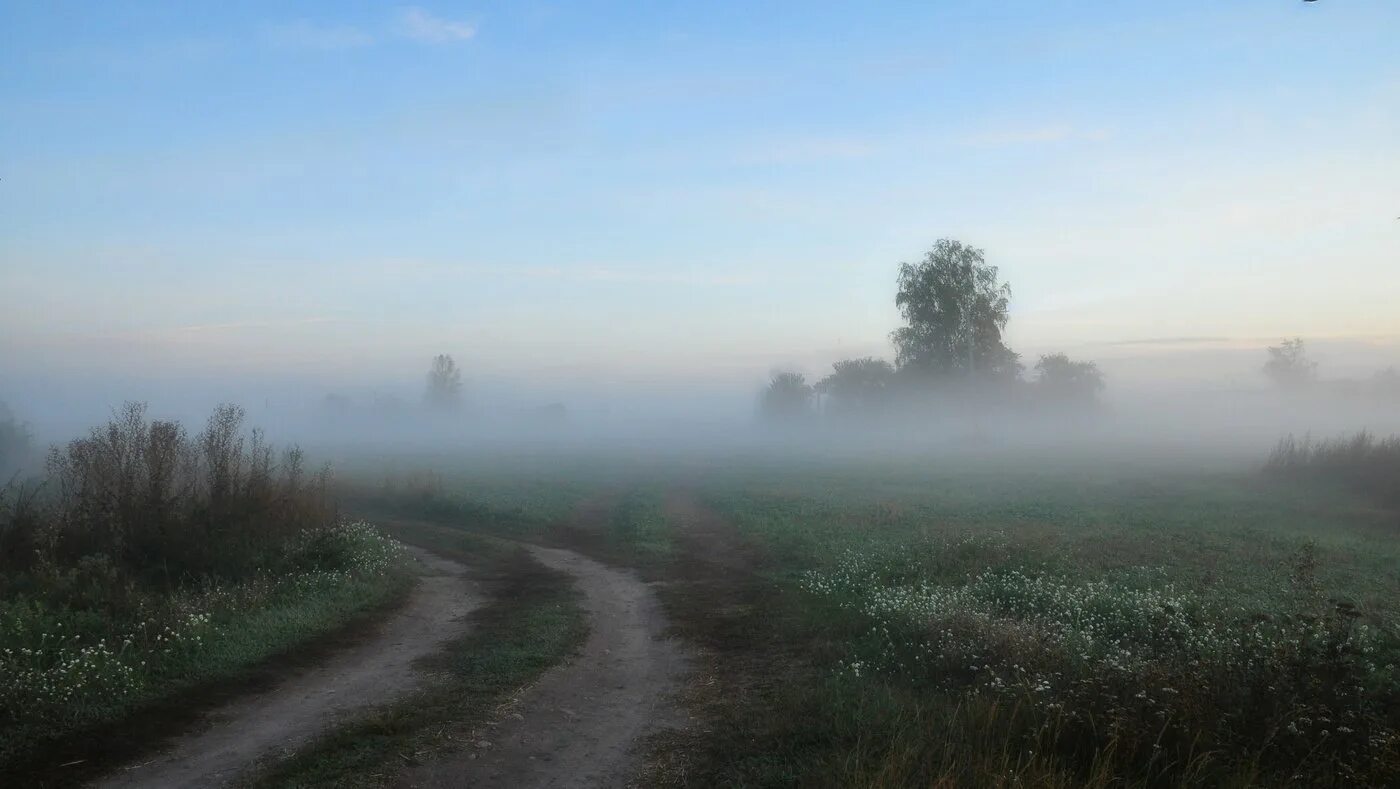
x=20 y=519
x=1362 y=461
x=168 y=507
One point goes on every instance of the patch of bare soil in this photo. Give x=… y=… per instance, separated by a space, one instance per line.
x=233 y=737
x=584 y=722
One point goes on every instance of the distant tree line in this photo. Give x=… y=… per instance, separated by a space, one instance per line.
x=955 y=309
x=1290 y=369
x=443 y=392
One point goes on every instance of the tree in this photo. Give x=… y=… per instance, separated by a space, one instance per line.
x=788 y=397
x=955 y=310
x=858 y=386
x=1066 y=382
x=1289 y=366
x=444 y=384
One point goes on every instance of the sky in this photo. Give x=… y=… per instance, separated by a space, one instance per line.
x=692 y=193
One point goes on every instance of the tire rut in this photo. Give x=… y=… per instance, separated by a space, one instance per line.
x=238 y=735
x=582 y=724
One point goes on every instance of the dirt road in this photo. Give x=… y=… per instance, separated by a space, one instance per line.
x=312 y=701
x=582 y=724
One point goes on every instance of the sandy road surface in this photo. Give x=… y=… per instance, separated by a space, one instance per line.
x=581 y=725
x=310 y=702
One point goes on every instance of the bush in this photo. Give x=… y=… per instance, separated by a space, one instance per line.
x=167 y=508
x=20 y=519
x=1362 y=461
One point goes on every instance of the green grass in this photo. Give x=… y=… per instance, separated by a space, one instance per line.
x=515 y=496
x=1159 y=628
x=639 y=524
x=1000 y=621
x=1053 y=623
x=532 y=623
x=72 y=673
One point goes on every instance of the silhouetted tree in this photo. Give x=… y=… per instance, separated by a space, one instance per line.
x=1289 y=366
x=955 y=311
x=1062 y=381
x=787 y=397
x=858 y=386
x=444 y=390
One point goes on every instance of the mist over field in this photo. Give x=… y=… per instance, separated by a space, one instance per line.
x=603 y=394
x=1189 y=405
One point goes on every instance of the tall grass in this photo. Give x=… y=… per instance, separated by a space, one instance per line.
x=1363 y=461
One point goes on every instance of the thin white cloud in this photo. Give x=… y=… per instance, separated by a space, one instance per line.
x=420 y=25
x=307 y=35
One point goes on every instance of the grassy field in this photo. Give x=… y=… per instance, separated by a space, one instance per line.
x=1010 y=621
x=989 y=620
x=1145 y=626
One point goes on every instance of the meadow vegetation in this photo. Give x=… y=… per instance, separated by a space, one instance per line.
x=1068 y=618
x=1016 y=621
x=1050 y=628
x=150 y=562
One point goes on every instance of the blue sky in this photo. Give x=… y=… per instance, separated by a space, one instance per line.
x=684 y=191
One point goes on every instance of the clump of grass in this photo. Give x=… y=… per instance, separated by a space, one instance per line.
x=1362 y=461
